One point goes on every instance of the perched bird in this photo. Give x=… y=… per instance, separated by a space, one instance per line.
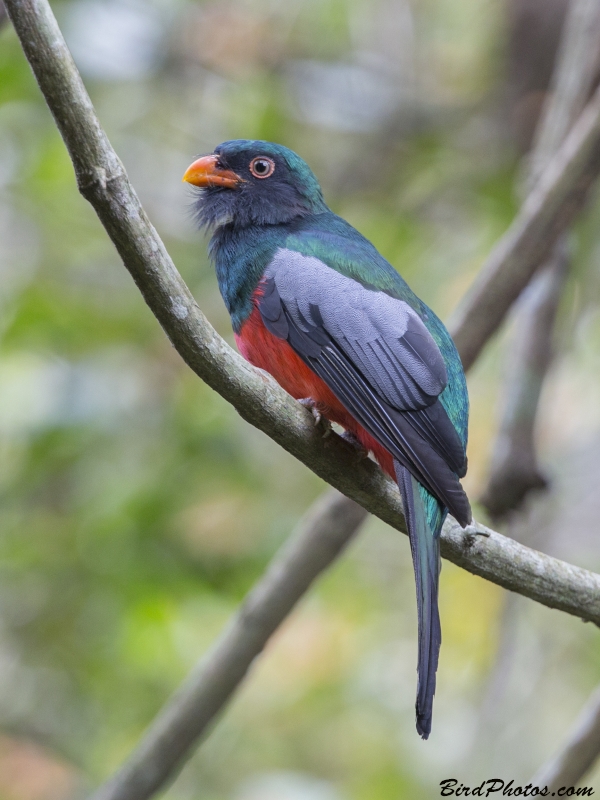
x=313 y=303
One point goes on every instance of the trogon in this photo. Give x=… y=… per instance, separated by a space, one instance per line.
x=313 y=303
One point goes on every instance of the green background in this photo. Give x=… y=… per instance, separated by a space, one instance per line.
x=137 y=508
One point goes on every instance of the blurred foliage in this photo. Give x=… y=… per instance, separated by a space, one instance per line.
x=137 y=508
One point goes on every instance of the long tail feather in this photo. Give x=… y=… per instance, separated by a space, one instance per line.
x=423 y=531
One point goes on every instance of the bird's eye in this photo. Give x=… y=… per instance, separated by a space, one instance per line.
x=262 y=167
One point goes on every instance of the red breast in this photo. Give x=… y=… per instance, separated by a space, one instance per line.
x=275 y=356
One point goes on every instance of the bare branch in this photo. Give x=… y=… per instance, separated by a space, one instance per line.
x=569 y=766
x=548 y=211
x=326 y=530
x=256 y=396
x=577 y=70
x=319 y=539
x=514 y=469
x=574 y=76
x=102 y=180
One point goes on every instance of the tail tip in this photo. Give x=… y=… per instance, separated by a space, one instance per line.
x=423 y=725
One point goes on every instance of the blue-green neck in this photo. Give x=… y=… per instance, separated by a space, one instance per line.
x=241 y=255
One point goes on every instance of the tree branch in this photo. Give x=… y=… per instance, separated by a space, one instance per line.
x=255 y=395
x=321 y=537
x=102 y=180
x=514 y=465
x=318 y=540
x=569 y=766
x=575 y=73
x=514 y=469
x=549 y=210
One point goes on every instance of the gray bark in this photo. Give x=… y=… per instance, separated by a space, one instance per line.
x=548 y=211
x=102 y=180
x=514 y=469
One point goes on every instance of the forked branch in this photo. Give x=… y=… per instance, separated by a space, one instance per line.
x=102 y=180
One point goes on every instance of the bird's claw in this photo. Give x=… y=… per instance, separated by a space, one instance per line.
x=310 y=404
x=361 y=450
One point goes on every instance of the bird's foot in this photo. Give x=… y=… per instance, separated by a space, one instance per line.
x=312 y=406
x=361 y=450
x=476 y=530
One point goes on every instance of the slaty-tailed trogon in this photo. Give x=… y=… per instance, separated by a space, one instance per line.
x=314 y=303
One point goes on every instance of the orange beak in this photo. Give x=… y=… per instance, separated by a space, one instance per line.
x=205 y=172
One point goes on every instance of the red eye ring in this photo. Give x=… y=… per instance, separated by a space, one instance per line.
x=262 y=167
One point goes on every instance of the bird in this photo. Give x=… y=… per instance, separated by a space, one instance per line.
x=314 y=303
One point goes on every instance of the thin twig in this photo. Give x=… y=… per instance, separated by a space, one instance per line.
x=102 y=180
x=319 y=539
x=570 y=765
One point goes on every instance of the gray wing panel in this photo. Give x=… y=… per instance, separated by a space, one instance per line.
x=380 y=334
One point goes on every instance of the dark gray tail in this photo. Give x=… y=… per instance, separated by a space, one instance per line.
x=423 y=532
